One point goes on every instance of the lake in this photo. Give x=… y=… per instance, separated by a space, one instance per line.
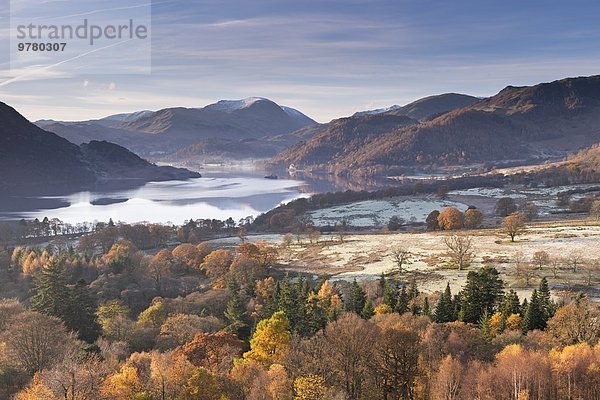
x=217 y=195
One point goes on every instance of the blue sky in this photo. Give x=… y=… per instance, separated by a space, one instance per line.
x=327 y=58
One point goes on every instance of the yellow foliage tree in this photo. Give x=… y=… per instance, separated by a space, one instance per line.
x=311 y=387
x=201 y=385
x=383 y=309
x=124 y=385
x=36 y=391
x=271 y=340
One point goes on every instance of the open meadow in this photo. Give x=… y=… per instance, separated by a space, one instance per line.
x=568 y=252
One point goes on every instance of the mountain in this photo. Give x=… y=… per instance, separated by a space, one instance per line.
x=168 y=130
x=377 y=111
x=426 y=107
x=434 y=106
x=30 y=156
x=519 y=123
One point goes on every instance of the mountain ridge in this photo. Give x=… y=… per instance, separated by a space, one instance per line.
x=541 y=121
x=31 y=156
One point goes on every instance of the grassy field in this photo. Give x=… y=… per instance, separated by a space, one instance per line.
x=573 y=247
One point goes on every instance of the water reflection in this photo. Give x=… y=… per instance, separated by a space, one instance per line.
x=216 y=195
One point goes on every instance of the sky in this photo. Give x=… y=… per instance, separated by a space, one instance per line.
x=327 y=58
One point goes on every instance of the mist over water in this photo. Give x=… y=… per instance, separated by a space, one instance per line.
x=215 y=195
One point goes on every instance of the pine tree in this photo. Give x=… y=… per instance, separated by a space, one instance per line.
x=301 y=322
x=368 y=311
x=402 y=304
x=316 y=316
x=444 y=309
x=356 y=299
x=485 y=326
x=546 y=303
x=390 y=295
x=481 y=293
x=236 y=312
x=426 y=308
x=382 y=284
x=524 y=307
x=413 y=291
x=511 y=304
x=81 y=314
x=534 y=317
x=288 y=301
x=51 y=292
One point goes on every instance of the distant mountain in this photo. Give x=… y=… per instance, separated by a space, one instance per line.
x=434 y=106
x=377 y=111
x=519 y=123
x=426 y=107
x=168 y=130
x=30 y=156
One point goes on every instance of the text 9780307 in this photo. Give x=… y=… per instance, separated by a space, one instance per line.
x=34 y=46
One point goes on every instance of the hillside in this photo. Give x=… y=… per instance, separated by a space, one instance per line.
x=31 y=156
x=426 y=107
x=519 y=123
x=165 y=131
x=432 y=106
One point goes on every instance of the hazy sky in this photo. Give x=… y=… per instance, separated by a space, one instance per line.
x=328 y=58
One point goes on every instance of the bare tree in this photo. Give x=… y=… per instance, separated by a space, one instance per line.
x=314 y=235
x=540 y=258
x=555 y=263
x=401 y=257
x=35 y=341
x=460 y=250
x=574 y=260
x=591 y=268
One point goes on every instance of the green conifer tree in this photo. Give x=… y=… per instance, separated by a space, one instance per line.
x=356 y=298
x=482 y=293
x=402 y=303
x=444 y=309
x=534 y=316
x=368 y=311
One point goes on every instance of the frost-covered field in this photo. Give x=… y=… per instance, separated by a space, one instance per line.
x=520 y=192
x=377 y=213
x=367 y=256
x=545 y=198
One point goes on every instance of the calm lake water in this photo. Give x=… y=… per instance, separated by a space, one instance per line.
x=215 y=195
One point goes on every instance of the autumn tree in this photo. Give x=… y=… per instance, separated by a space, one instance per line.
x=216 y=265
x=162 y=265
x=451 y=218
x=397 y=357
x=577 y=322
x=460 y=249
x=349 y=342
x=310 y=387
x=505 y=206
x=473 y=218
x=213 y=351
x=271 y=340
x=432 y=221
x=202 y=384
x=34 y=341
x=448 y=380
x=513 y=225
x=189 y=255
